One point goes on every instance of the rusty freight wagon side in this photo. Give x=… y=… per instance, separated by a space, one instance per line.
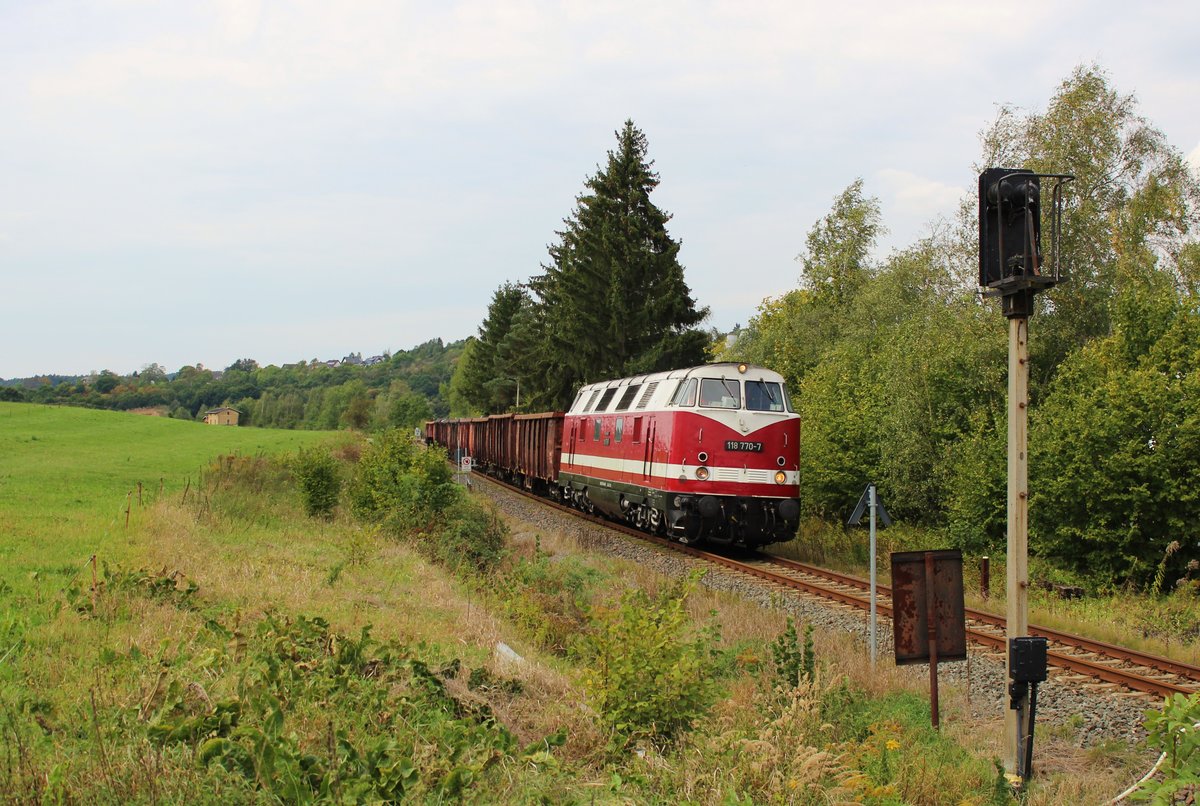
x=521 y=448
x=536 y=442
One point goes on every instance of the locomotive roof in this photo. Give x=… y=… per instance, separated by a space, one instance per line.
x=656 y=392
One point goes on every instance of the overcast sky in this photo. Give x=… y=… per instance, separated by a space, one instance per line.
x=197 y=182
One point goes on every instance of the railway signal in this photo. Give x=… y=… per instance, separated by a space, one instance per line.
x=1013 y=266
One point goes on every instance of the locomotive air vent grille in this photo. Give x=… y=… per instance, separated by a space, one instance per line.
x=650 y=387
x=742 y=474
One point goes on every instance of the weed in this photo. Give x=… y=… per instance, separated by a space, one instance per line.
x=793 y=662
x=171 y=587
x=1175 y=731
x=386 y=711
x=549 y=597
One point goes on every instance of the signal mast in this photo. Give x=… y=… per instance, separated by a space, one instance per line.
x=1013 y=267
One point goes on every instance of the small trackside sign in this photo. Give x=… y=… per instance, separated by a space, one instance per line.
x=464 y=464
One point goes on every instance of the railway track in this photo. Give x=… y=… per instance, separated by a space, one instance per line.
x=1078 y=658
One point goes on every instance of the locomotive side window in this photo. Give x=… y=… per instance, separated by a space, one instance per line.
x=764 y=396
x=596 y=433
x=720 y=394
x=685 y=394
x=608 y=396
x=620 y=429
x=627 y=397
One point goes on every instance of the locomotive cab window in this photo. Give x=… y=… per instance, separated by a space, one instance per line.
x=720 y=394
x=619 y=431
x=685 y=393
x=764 y=396
x=591 y=406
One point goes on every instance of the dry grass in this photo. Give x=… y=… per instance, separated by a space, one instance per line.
x=387 y=585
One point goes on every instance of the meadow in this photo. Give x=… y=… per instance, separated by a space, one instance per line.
x=67 y=476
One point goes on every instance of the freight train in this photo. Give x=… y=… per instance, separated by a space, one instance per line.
x=709 y=454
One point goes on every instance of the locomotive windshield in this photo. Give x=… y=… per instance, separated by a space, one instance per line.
x=721 y=394
x=764 y=396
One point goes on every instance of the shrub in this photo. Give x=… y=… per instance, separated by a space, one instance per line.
x=472 y=539
x=319 y=479
x=653 y=673
x=403 y=484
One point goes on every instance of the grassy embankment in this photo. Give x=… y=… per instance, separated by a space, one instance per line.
x=267 y=656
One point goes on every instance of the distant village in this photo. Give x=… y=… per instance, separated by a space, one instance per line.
x=356 y=359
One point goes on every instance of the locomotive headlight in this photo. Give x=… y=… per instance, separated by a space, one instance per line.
x=702 y=473
x=780 y=477
x=742 y=369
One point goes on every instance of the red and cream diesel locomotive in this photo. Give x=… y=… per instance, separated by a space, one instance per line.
x=705 y=454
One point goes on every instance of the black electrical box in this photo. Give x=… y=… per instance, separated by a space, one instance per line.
x=1027 y=659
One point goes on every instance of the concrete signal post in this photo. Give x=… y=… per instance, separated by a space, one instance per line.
x=1013 y=267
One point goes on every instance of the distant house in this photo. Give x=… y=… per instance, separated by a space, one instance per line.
x=373 y=360
x=222 y=416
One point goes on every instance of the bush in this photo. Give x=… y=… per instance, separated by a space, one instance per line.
x=403 y=485
x=653 y=674
x=472 y=539
x=320 y=481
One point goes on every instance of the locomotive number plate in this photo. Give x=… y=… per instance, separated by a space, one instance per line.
x=735 y=445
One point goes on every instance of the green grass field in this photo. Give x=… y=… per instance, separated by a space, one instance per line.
x=66 y=475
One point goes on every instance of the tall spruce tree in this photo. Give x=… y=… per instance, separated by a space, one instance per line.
x=613 y=300
x=489 y=379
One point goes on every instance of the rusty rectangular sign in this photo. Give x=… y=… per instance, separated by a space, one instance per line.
x=916 y=598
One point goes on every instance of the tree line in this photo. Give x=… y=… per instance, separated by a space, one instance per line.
x=405 y=390
x=898 y=366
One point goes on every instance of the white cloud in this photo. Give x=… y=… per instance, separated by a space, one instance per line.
x=919 y=196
